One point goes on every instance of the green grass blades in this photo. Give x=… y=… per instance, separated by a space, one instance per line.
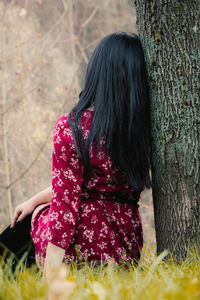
x=152 y=279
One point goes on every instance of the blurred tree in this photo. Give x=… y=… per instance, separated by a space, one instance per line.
x=169 y=30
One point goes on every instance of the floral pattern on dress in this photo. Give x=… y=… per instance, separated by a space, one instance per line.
x=80 y=215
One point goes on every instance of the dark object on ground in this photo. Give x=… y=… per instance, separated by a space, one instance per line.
x=16 y=241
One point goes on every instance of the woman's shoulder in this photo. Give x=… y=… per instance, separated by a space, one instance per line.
x=62 y=120
x=63 y=129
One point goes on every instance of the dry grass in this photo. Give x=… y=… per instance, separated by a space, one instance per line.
x=151 y=279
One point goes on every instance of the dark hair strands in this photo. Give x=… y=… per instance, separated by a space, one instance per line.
x=116 y=85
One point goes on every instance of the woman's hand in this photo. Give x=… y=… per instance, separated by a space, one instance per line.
x=27 y=207
x=22 y=210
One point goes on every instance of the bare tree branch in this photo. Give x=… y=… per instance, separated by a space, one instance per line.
x=89 y=18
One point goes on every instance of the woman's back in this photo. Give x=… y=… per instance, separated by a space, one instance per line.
x=88 y=209
x=106 y=179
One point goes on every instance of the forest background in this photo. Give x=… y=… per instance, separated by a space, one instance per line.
x=45 y=48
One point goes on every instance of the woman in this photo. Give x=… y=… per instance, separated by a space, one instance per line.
x=100 y=164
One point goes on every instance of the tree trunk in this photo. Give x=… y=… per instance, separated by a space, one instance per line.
x=168 y=30
x=3 y=102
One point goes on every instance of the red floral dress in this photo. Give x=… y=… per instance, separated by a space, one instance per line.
x=79 y=219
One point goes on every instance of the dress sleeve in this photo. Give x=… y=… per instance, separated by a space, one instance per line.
x=67 y=175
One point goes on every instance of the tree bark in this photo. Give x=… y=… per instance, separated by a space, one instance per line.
x=169 y=33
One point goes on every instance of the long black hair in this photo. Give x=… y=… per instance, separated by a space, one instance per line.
x=116 y=86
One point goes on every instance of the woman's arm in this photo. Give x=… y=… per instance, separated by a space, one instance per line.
x=42 y=197
x=67 y=177
x=54 y=258
x=27 y=207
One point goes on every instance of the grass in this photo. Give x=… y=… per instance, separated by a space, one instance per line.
x=153 y=279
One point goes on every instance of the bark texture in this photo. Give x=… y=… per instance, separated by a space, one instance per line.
x=169 y=31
